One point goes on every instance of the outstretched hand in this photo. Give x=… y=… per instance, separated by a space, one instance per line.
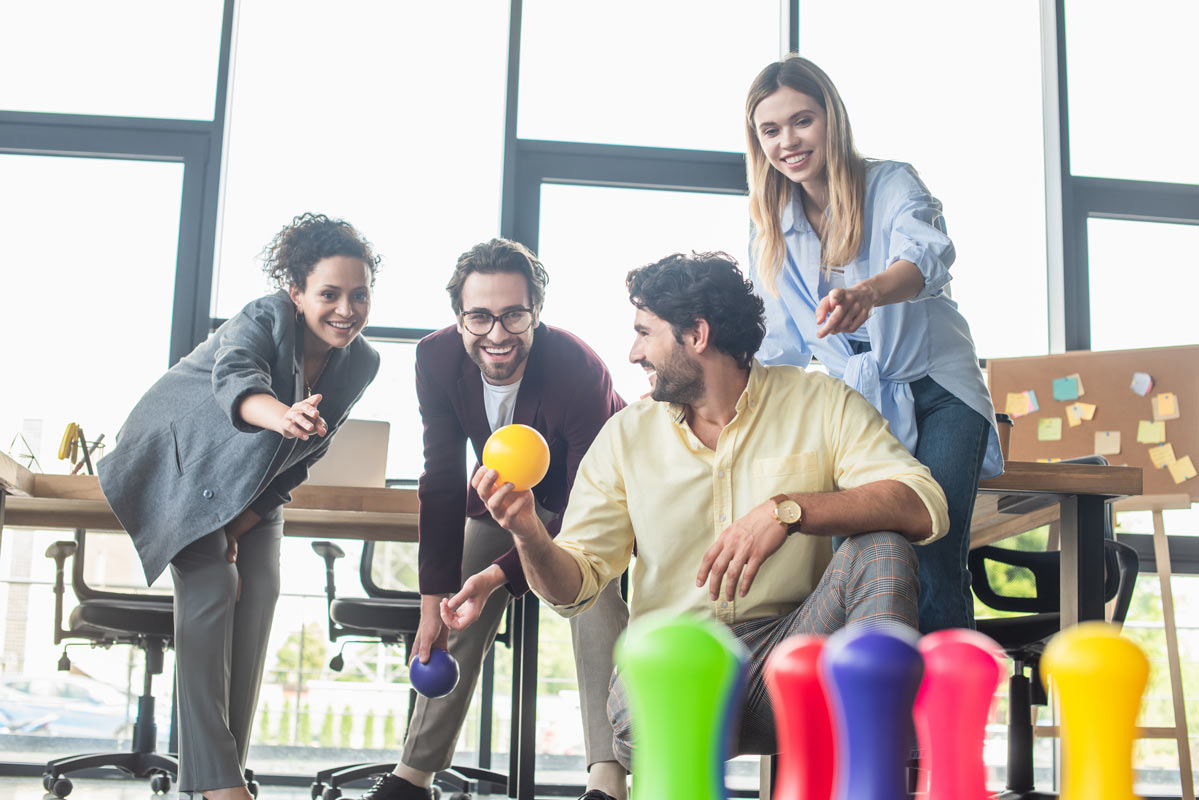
x=844 y=310
x=303 y=420
x=463 y=609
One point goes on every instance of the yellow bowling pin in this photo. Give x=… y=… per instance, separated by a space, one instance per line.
x=1100 y=677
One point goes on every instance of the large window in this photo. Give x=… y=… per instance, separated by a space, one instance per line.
x=88 y=284
x=955 y=90
x=1130 y=114
x=135 y=58
x=390 y=116
x=1140 y=274
x=587 y=265
x=671 y=73
x=86 y=308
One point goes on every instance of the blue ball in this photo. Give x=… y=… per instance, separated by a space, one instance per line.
x=436 y=678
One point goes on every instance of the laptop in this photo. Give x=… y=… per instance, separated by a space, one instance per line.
x=357 y=456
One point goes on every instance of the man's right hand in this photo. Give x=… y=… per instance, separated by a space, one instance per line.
x=515 y=511
x=431 y=632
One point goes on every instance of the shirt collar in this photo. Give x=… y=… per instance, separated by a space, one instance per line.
x=749 y=398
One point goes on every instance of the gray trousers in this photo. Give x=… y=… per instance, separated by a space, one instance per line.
x=436 y=724
x=871 y=581
x=220 y=649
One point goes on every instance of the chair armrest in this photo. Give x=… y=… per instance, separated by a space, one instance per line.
x=60 y=552
x=330 y=553
x=1045 y=568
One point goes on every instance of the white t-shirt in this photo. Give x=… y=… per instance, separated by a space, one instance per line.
x=500 y=402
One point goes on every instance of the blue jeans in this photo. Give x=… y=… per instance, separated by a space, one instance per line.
x=952 y=444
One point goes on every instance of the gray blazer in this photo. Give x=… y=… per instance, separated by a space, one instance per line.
x=185 y=464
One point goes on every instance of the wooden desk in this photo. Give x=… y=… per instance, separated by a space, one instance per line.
x=1081 y=491
x=338 y=512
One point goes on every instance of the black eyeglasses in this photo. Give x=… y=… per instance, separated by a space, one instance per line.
x=480 y=323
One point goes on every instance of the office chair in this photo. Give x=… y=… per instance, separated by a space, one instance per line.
x=392 y=616
x=106 y=618
x=1023 y=638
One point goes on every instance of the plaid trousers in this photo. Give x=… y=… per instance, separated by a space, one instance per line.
x=872 y=580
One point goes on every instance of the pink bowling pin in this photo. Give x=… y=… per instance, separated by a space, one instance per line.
x=961 y=674
x=802 y=718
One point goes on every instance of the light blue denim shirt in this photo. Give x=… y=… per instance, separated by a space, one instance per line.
x=925 y=336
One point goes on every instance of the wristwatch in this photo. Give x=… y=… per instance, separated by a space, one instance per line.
x=788 y=512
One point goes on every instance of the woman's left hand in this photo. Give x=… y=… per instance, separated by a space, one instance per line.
x=844 y=310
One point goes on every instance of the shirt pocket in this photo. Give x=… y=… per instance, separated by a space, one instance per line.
x=799 y=472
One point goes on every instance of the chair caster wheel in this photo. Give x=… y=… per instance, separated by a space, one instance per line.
x=47 y=781
x=160 y=784
x=61 y=787
x=332 y=793
x=435 y=792
x=317 y=791
x=461 y=796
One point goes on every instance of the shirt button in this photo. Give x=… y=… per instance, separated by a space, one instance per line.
x=724 y=604
x=721 y=473
x=207 y=494
x=722 y=517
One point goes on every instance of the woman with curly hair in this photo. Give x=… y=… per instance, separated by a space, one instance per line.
x=207 y=458
x=852 y=261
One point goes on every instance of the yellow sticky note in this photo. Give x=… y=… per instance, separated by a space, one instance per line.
x=1107 y=443
x=1078 y=379
x=1165 y=406
x=1162 y=456
x=1151 y=432
x=1073 y=418
x=1077 y=412
x=1049 y=429
x=1017 y=404
x=1182 y=469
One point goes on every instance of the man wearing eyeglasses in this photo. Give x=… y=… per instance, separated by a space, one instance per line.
x=499 y=365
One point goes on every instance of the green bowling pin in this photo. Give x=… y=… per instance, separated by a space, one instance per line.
x=684 y=681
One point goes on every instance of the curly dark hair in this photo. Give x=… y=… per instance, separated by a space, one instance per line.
x=683 y=289
x=499 y=255
x=310 y=238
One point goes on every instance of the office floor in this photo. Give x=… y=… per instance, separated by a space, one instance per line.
x=121 y=789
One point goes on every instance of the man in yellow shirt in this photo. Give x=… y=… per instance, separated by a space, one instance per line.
x=731 y=480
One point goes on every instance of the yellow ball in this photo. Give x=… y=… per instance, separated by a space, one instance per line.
x=519 y=454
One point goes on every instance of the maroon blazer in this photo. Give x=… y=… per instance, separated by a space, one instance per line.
x=566 y=394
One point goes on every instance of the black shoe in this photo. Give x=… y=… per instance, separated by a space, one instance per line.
x=393 y=787
x=595 y=794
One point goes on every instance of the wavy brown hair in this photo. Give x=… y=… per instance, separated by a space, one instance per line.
x=770 y=190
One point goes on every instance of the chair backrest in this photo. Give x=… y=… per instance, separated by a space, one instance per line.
x=389 y=569
x=106 y=567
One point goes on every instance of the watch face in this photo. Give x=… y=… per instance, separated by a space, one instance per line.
x=788 y=512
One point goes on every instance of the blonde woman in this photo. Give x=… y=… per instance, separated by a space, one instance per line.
x=852 y=261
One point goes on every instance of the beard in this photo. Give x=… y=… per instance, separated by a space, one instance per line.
x=678 y=379
x=498 y=373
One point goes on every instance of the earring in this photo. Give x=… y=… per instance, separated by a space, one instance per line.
x=299 y=314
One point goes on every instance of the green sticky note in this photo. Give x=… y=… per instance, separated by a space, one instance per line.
x=1065 y=389
x=1049 y=429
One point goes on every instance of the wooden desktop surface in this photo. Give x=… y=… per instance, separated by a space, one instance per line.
x=337 y=512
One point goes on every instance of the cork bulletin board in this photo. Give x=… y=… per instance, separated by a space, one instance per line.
x=1106 y=379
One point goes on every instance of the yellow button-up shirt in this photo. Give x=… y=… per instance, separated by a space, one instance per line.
x=648 y=478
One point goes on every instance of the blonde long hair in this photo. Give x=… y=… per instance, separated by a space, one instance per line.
x=770 y=190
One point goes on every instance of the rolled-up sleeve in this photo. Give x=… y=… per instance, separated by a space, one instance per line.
x=918 y=232
x=596 y=529
x=863 y=451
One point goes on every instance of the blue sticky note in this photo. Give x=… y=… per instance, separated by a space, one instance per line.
x=1065 y=389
